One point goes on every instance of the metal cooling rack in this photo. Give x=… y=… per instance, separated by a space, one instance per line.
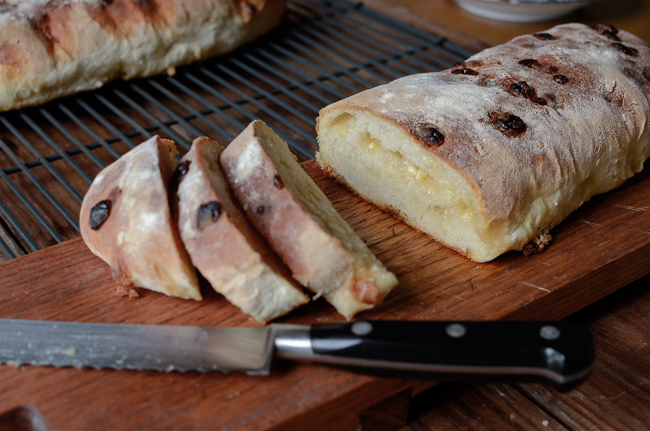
x=325 y=51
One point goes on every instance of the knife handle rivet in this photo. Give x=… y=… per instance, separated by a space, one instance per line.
x=549 y=332
x=456 y=330
x=361 y=328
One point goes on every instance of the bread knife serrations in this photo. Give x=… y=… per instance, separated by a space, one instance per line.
x=136 y=347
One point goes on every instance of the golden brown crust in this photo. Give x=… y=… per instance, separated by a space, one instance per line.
x=119 y=17
x=55 y=48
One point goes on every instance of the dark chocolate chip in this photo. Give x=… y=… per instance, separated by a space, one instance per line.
x=277 y=182
x=609 y=31
x=606 y=27
x=626 y=49
x=184 y=166
x=529 y=62
x=208 y=213
x=181 y=170
x=541 y=101
x=544 y=36
x=522 y=89
x=430 y=135
x=464 y=71
x=560 y=79
x=511 y=123
x=551 y=70
x=99 y=213
x=552 y=98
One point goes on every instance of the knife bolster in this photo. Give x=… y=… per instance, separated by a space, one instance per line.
x=292 y=341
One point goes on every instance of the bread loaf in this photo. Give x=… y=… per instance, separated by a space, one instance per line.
x=53 y=48
x=491 y=154
x=222 y=244
x=300 y=223
x=126 y=220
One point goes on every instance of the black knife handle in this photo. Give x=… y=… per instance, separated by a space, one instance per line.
x=557 y=353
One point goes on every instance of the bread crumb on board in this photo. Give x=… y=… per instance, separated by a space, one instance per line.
x=123 y=291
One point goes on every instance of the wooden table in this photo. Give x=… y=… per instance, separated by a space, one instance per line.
x=67 y=282
x=616 y=396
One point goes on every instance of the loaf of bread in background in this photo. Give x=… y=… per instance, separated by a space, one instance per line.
x=126 y=220
x=300 y=223
x=55 y=48
x=222 y=244
x=491 y=154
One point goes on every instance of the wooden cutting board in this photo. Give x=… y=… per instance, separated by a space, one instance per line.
x=598 y=249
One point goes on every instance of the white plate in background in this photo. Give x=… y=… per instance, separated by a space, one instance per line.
x=522 y=10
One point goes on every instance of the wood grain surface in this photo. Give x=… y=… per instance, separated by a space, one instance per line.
x=600 y=248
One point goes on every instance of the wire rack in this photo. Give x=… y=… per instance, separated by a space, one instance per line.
x=325 y=51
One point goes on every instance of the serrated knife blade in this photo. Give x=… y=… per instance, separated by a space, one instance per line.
x=557 y=353
x=136 y=347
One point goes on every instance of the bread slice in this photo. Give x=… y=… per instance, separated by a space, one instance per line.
x=126 y=220
x=222 y=244
x=300 y=223
x=490 y=155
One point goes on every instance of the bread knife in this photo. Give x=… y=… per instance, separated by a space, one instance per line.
x=557 y=353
